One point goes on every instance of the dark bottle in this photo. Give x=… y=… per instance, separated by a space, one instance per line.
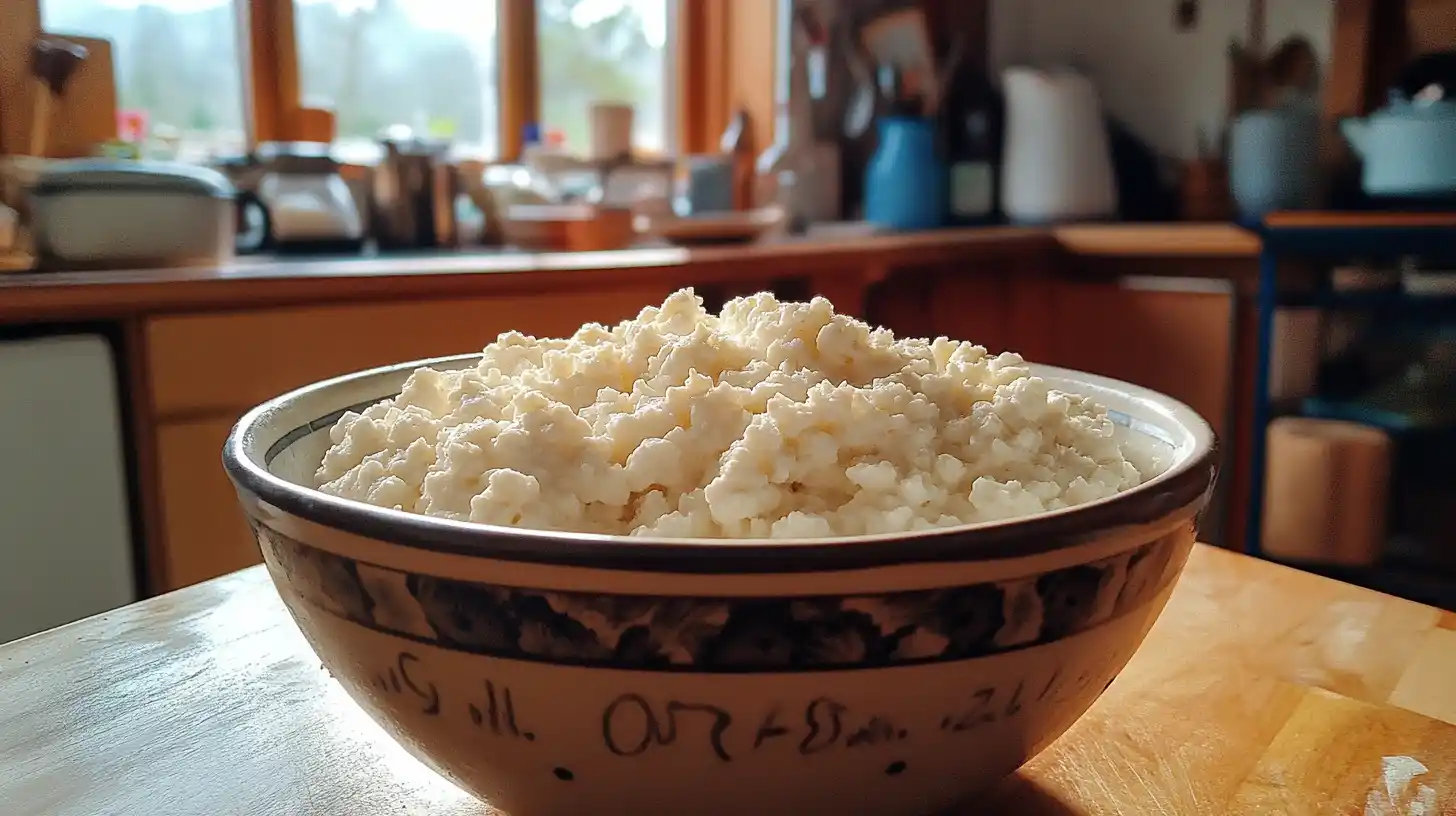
x=971 y=124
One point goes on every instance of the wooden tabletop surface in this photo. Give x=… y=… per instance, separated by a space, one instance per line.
x=1261 y=690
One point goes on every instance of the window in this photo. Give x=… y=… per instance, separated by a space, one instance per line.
x=206 y=78
x=604 y=51
x=426 y=64
x=178 y=73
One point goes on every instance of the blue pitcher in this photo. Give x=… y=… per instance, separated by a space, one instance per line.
x=905 y=178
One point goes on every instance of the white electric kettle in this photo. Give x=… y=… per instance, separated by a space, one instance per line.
x=1057 y=164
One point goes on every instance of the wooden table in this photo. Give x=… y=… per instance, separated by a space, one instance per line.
x=1261 y=690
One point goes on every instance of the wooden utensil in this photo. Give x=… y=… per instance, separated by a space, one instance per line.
x=901 y=40
x=1292 y=70
x=1204 y=188
x=737 y=142
x=52 y=62
x=1246 y=79
x=84 y=116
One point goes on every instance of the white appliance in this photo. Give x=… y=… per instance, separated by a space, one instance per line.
x=306 y=207
x=97 y=212
x=1058 y=164
x=65 y=533
x=307 y=201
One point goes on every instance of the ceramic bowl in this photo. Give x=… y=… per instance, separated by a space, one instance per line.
x=550 y=673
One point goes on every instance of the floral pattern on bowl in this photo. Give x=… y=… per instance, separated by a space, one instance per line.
x=674 y=633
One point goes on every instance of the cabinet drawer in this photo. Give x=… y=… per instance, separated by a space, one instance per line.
x=204 y=534
x=227 y=362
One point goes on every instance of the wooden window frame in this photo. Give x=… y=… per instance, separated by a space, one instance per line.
x=274 y=93
x=721 y=60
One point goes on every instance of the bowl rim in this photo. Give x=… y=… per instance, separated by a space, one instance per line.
x=1187 y=485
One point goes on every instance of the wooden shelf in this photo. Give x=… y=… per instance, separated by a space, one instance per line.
x=1211 y=240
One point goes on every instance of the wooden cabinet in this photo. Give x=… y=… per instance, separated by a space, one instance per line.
x=204 y=533
x=946 y=301
x=1173 y=335
x=207 y=369
x=233 y=360
x=973 y=307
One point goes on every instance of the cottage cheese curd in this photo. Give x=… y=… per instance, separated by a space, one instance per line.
x=770 y=419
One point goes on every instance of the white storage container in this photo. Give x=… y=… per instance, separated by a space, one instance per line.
x=103 y=212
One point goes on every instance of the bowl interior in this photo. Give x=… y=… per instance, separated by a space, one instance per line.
x=290 y=436
x=273 y=452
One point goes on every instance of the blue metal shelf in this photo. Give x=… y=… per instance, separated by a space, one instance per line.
x=1389 y=421
x=1393 y=303
x=1376 y=238
x=1395 y=309
x=1376 y=243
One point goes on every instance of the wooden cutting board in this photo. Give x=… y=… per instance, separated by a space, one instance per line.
x=85 y=115
x=1304 y=751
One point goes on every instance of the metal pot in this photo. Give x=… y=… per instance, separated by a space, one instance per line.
x=412 y=196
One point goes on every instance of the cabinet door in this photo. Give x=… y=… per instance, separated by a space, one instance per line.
x=205 y=534
x=973 y=307
x=209 y=364
x=1172 y=335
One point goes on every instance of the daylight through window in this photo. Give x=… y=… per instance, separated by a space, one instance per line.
x=179 y=76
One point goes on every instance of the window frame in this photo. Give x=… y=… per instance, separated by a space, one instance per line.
x=706 y=39
x=274 y=88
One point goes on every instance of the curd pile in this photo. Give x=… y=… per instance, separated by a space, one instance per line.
x=767 y=420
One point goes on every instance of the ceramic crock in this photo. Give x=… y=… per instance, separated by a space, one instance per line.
x=1273 y=160
x=550 y=673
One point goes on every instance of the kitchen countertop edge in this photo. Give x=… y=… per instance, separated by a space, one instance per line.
x=27 y=297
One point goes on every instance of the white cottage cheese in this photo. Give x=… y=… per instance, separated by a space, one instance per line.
x=768 y=420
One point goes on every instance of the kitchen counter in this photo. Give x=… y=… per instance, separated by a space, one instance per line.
x=69 y=296
x=197 y=347
x=1261 y=690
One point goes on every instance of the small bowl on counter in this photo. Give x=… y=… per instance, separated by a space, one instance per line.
x=567 y=227
x=728 y=227
x=550 y=672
